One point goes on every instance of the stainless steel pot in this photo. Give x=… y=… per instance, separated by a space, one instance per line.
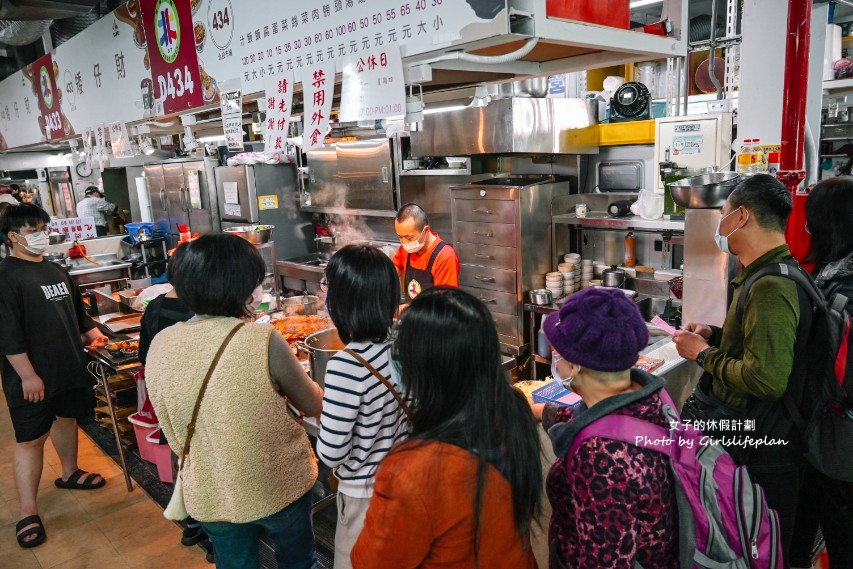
x=541 y=296
x=613 y=277
x=320 y=347
x=304 y=304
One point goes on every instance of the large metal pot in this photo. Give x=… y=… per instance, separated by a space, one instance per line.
x=708 y=191
x=320 y=347
x=303 y=304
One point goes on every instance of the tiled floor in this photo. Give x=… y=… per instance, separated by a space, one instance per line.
x=101 y=529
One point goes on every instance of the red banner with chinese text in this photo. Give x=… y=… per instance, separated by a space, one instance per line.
x=171 y=50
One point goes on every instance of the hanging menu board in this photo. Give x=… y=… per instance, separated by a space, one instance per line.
x=253 y=40
x=171 y=50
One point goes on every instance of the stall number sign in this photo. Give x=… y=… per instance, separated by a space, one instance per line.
x=172 y=52
x=372 y=86
x=44 y=81
x=74 y=227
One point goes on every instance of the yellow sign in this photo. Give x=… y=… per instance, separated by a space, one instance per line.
x=267 y=202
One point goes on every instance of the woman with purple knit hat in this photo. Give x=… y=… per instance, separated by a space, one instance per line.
x=613 y=503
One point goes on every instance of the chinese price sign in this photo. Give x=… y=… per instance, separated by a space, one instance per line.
x=75 y=227
x=279 y=96
x=172 y=52
x=318 y=84
x=231 y=104
x=373 y=85
x=48 y=97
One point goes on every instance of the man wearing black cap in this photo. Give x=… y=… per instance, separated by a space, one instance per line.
x=95 y=206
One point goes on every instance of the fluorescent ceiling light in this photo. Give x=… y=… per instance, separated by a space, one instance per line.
x=214 y=138
x=434 y=111
x=641 y=3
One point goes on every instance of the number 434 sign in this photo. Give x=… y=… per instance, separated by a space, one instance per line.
x=171 y=50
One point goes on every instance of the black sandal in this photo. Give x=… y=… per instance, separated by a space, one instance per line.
x=37 y=531
x=77 y=482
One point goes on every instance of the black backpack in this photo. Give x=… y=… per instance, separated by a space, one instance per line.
x=824 y=417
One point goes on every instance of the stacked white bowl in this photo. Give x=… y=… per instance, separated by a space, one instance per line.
x=554 y=283
x=586 y=273
x=568 y=272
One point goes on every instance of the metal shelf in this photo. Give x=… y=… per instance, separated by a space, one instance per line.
x=838 y=84
x=836 y=138
x=439 y=172
x=605 y=221
x=347 y=211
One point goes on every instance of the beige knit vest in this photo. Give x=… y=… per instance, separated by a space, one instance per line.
x=248 y=458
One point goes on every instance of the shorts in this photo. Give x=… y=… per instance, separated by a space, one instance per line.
x=34 y=420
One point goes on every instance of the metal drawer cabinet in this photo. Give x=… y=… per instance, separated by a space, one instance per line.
x=487 y=278
x=487 y=255
x=486 y=210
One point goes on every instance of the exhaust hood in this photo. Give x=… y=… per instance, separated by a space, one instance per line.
x=511 y=126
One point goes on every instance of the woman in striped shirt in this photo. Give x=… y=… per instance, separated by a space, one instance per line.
x=361 y=417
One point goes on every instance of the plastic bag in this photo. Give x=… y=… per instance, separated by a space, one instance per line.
x=149 y=294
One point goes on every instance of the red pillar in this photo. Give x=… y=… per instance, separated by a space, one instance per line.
x=791 y=172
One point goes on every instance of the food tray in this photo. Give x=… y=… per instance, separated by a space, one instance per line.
x=556 y=393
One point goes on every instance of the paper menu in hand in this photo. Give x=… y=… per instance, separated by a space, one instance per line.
x=663 y=325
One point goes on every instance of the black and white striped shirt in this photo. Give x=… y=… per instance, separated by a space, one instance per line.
x=361 y=420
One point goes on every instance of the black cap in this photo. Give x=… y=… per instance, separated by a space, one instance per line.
x=93 y=190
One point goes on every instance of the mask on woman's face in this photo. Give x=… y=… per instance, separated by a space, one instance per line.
x=556 y=359
x=257 y=298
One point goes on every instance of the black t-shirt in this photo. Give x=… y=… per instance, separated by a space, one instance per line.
x=160 y=313
x=42 y=315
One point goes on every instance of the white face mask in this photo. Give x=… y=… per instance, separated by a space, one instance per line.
x=721 y=240
x=257 y=298
x=414 y=246
x=556 y=359
x=36 y=242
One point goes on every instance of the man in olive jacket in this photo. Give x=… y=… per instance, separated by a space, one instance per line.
x=753 y=360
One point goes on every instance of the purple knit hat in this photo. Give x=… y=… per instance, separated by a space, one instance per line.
x=598 y=328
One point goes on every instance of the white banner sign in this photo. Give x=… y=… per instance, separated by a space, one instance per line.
x=318 y=87
x=278 y=95
x=266 y=37
x=101 y=146
x=88 y=153
x=120 y=141
x=19 y=112
x=373 y=85
x=75 y=227
x=231 y=103
x=102 y=70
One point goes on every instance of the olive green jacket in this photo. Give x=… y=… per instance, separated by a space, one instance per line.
x=755 y=357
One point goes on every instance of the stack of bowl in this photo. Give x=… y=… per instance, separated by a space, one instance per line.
x=554 y=283
x=586 y=273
